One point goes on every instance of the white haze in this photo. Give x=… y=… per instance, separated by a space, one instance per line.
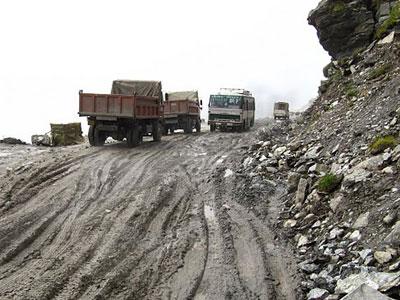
x=52 y=49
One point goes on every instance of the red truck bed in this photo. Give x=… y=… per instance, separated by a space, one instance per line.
x=121 y=106
x=173 y=108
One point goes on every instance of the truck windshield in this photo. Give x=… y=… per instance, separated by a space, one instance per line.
x=226 y=101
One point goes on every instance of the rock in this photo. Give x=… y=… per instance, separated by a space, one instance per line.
x=393 y=238
x=318 y=169
x=228 y=173
x=365 y=292
x=289 y=223
x=343 y=27
x=355 y=236
x=317 y=294
x=303 y=241
x=362 y=221
x=335 y=202
x=376 y=280
x=313 y=152
x=388 y=170
x=293 y=181
x=335 y=233
x=387 y=40
x=12 y=141
x=41 y=140
x=373 y=163
x=307 y=267
x=383 y=257
x=365 y=253
x=316 y=224
x=356 y=176
x=390 y=218
x=396 y=153
x=279 y=151
x=394 y=267
x=271 y=170
x=301 y=191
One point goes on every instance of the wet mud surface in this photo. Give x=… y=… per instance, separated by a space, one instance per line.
x=160 y=221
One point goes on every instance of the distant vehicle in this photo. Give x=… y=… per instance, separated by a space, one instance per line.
x=231 y=109
x=131 y=111
x=182 y=111
x=281 y=110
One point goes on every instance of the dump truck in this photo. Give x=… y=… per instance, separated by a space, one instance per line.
x=281 y=110
x=132 y=111
x=182 y=111
x=231 y=108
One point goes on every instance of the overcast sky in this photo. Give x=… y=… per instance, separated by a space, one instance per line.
x=52 y=49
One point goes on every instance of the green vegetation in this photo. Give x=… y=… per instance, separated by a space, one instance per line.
x=380 y=144
x=328 y=183
x=351 y=90
x=379 y=71
x=337 y=76
x=394 y=17
x=338 y=7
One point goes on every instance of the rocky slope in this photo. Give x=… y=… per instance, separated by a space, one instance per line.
x=341 y=160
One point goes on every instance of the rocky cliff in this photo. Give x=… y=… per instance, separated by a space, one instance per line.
x=340 y=162
x=346 y=27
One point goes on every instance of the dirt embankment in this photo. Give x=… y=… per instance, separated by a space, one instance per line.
x=161 y=221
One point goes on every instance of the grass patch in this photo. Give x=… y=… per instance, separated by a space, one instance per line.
x=379 y=71
x=338 y=7
x=394 y=17
x=351 y=91
x=328 y=183
x=380 y=144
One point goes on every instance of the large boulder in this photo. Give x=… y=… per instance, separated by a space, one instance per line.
x=343 y=26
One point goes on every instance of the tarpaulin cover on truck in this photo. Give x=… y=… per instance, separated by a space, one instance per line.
x=66 y=134
x=138 y=88
x=185 y=95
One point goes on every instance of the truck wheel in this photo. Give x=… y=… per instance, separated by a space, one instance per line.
x=188 y=127
x=91 y=135
x=198 y=126
x=133 y=138
x=99 y=137
x=212 y=127
x=156 y=131
x=165 y=130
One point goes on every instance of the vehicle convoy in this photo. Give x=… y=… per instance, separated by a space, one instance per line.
x=231 y=109
x=182 y=111
x=131 y=111
x=281 y=110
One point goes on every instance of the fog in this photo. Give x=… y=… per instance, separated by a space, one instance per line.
x=52 y=49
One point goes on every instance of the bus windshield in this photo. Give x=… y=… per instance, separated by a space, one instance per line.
x=226 y=101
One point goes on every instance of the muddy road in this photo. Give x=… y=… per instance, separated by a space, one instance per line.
x=160 y=221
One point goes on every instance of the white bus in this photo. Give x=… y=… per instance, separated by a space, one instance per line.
x=231 y=109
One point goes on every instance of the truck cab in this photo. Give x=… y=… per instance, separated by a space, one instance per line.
x=281 y=110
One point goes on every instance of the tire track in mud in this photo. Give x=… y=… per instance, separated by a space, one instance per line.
x=144 y=223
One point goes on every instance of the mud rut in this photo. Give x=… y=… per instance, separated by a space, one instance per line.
x=156 y=222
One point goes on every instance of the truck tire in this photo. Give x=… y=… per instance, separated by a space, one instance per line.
x=156 y=131
x=188 y=126
x=133 y=138
x=99 y=137
x=212 y=128
x=165 y=129
x=91 y=135
x=198 y=126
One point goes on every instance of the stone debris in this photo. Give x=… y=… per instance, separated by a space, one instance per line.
x=365 y=292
